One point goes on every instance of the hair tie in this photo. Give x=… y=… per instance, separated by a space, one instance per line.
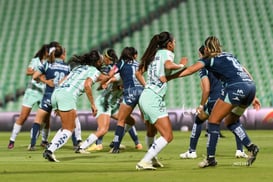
x=51 y=49
x=105 y=53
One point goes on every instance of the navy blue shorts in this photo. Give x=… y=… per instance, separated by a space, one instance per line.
x=131 y=96
x=46 y=102
x=208 y=106
x=240 y=94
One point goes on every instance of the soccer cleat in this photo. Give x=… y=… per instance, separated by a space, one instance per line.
x=11 y=145
x=139 y=146
x=31 y=148
x=111 y=145
x=44 y=144
x=240 y=154
x=188 y=155
x=156 y=163
x=95 y=147
x=254 y=150
x=75 y=146
x=207 y=163
x=50 y=156
x=81 y=151
x=122 y=147
x=145 y=166
x=114 y=151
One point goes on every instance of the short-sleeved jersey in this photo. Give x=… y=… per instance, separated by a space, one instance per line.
x=56 y=71
x=74 y=82
x=227 y=68
x=114 y=89
x=157 y=69
x=215 y=84
x=127 y=72
x=34 y=64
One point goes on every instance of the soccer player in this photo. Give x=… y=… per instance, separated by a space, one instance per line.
x=211 y=90
x=108 y=104
x=126 y=67
x=238 y=93
x=157 y=61
x=54 y=71
x=32 y=96
x=64 y=98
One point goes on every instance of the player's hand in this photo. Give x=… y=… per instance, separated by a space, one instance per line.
x=184 y=61
x=94 y=110
x=199 y=109
x=50 y=83
x=256 y=104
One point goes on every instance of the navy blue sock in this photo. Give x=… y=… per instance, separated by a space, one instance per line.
x=74 y=139
x=195 y=133
x=99 y=140
x=213 y=134
x=239 y=131
x=133 y=135
x=239 y=144
x=35 y=133
x=118 y=136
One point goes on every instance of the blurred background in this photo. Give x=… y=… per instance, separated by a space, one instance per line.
x=244 y=27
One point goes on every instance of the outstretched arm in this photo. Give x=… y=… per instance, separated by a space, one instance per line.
x=192 y=69
x=188 y=71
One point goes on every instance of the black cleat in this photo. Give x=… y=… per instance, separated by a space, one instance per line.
x=210 y=162
x=114 y=151
x=50 y=156
x=254 y=150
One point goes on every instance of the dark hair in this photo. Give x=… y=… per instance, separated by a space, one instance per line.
x=74 y=61
x=127 y=54
x=42 y=52
x=133 y=51
x=159 y=41
x=93 y=58
x=53 y=44
x=202 y=49
x=55 y=52
x=111 y=54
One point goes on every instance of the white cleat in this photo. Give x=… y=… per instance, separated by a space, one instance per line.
x=81 y=151
x=240 y=154
x=145 y=166
x=188 y=155
x=156 y=163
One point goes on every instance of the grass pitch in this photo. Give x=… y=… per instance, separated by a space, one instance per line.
x=22 y=165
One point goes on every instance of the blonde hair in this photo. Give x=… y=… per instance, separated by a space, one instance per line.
x=213 y=46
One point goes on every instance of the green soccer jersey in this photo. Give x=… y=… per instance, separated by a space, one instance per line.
x=74 y=83
x=156 y=69
x=39 y=86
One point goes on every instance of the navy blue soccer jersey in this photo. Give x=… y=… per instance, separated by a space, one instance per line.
x=127 y=73
x=56 y=71
x=215 y=84
x=227 y=68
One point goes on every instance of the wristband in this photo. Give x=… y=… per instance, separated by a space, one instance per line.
x=201 y=106
x=182 y=65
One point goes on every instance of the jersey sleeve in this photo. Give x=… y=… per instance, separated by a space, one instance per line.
x=117 y=67
x=167 y=56
x=206 y=62
x=94 y=74
x=42 y=68
x=203 y=73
